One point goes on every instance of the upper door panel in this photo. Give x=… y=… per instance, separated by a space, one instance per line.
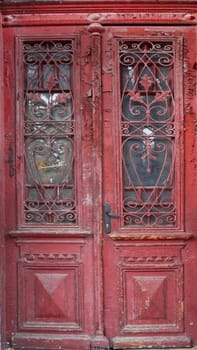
x=147 y=84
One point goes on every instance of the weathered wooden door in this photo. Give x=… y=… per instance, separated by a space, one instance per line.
x=146 y=176
x=100 y=181
x=50 y=298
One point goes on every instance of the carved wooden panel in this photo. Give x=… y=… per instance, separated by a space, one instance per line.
x=151 y=300
x=151 y=290
x=122 y=13
x=50 y=287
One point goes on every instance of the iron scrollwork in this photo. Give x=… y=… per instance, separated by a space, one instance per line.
x=49 y=133
x=148 y=132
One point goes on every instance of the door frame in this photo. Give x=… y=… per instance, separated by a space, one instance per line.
x=2 y=196
x=17 y=14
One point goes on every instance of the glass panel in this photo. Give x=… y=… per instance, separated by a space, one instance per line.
x=148 y=132
x=49 y=133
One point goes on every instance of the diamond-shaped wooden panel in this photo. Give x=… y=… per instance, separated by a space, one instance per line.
x=50 y=298
x=150 y=297
x=52 y=295
x=151 y=300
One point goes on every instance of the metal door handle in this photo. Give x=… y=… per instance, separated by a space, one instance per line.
x=107 y=217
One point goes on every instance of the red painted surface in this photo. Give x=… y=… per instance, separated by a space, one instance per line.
x=2 y=198
x=107 y=100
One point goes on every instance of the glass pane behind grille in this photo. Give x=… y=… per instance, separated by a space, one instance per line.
x=49 y=133
x=148 y=132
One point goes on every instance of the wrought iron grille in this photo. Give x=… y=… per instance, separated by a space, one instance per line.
x=148 y=132
x=49 y=133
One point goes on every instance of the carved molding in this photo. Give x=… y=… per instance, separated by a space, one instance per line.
x=14 y=14
x=150 y=259
x=49 y=257
x=152 y=236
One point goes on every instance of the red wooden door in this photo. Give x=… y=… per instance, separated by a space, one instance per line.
x=145 y=157
x=50 y=298
x=100 y=187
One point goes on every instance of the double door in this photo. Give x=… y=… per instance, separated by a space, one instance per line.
x=100 y=187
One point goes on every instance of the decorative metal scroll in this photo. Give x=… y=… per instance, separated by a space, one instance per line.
x=49 y=133
x=148 y=133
